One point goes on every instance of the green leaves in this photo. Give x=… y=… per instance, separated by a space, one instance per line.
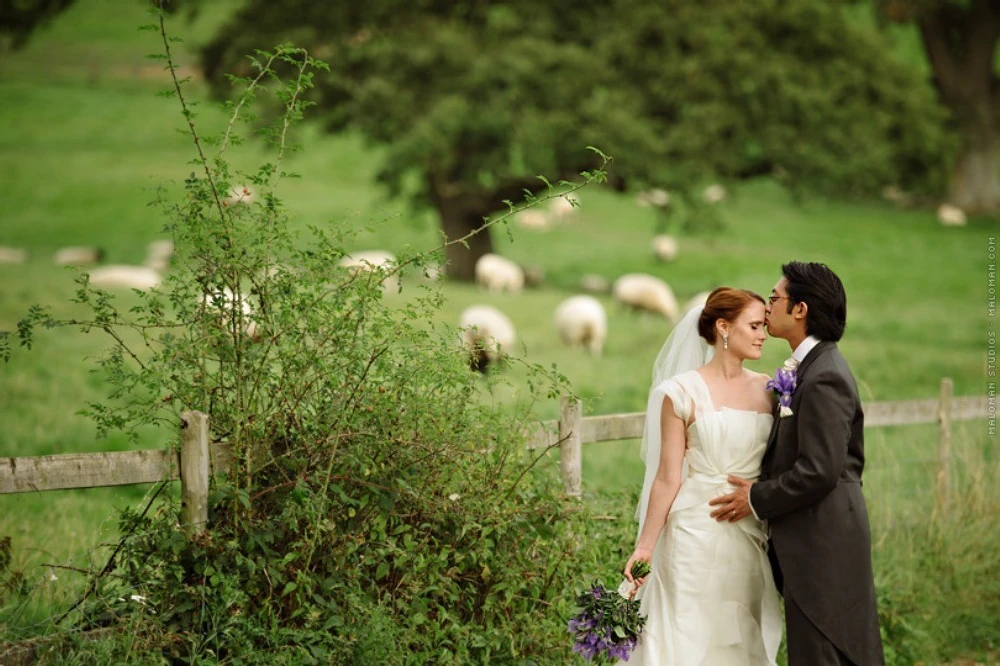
x=481 y=100
x=377 y=496
x=640 y=569
x=607 y=626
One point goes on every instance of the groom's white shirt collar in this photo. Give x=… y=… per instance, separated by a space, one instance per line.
x=804 y=348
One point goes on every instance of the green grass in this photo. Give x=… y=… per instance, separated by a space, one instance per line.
x=85 y=143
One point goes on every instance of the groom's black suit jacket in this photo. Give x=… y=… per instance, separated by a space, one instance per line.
x=810 y=493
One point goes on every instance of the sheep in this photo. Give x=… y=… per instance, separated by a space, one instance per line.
x=664 y=247
x=563 y=206
x=951 y=216
x=581 y=321
x=433 y=272
x=240 y=194
x=496 y=274
x=533 y=218
x=158 y=254
x=223 y=302
x=595 y=284
x=486 y=334
x=369 y=260
x=78 y=256
x=657 y=198
x=714 y=194
x=12 y=255
x=895 y=194
x=534 y=276
x=131 y=277
x=642 y=291
x=697 y=300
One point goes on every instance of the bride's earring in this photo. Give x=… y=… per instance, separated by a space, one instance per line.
x=725 y=342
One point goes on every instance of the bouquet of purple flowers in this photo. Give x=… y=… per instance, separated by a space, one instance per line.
x=608 y=625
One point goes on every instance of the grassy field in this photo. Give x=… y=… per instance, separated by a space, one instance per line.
x=85 y=142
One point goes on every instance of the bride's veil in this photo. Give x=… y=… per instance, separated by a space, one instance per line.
x=684 y=350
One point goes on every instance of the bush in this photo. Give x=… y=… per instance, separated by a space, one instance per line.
x=380 y=507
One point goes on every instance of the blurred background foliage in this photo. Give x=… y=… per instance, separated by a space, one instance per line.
x=472 y=100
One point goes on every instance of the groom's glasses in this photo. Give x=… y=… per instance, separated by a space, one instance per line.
x=774 y=297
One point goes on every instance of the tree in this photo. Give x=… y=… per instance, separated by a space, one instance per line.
x=19 y=18
x=473 y=100
x=960 y=39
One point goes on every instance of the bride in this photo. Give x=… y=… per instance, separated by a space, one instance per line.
x=709 y=599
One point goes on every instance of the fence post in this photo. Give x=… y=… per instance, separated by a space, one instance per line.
x=570 y=454
x=944 y=445
x=194 y=471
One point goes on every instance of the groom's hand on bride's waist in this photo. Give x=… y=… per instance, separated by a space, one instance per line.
x=734 y=506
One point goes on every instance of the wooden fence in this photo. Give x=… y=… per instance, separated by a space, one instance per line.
x=197 y=459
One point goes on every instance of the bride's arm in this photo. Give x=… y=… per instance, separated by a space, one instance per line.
x=673 y=442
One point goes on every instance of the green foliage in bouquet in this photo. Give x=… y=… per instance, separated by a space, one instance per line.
x=640 y=569
x=607 y=626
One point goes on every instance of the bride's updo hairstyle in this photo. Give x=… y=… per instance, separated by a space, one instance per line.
x=724 y=303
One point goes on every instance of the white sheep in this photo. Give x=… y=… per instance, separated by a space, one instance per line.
x=951 y=216
x=595 y=284
x=895 y=194
x=240 y=194
x=563 y=206
x=714 y=194
x=158 y=254
x=129 y=277
x=495 y=274
x=487 y=335
x=582 y=322
x=657 y=198
x=532 y=218
x=223 y=302
x=369 y=260
x=77 y=256
x=433 y=272
x=12 y=255
x=646 y=292
x=697 y=300
x=534 y=276
x=664 y=247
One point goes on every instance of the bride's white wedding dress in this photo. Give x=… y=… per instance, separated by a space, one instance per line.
x=710 y=599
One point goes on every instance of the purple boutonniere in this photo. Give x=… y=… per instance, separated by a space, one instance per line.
x=783 y=385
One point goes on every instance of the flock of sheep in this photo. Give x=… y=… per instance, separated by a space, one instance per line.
x=144 y=276
x=580 y=321
x=487 y=333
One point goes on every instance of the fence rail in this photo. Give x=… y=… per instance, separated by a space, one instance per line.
x=610 y=427
x=197 y=458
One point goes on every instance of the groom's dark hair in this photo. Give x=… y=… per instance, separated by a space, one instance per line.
x=820 y=288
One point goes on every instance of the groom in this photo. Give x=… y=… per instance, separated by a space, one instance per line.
x=809 y=489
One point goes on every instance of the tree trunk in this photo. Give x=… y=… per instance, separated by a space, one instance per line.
x=462 y=209
x=457 y=221
x=461 y=214
x=960 y=43
x=975 y=185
